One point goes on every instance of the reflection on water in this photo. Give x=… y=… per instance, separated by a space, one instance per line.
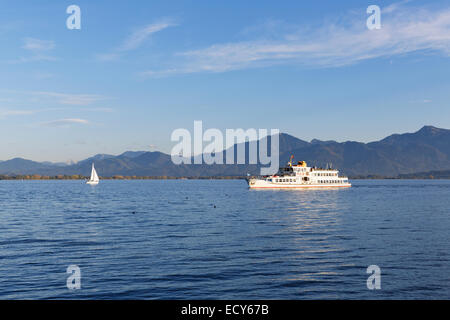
x=219 y=240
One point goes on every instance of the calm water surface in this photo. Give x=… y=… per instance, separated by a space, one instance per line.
x=190 y=239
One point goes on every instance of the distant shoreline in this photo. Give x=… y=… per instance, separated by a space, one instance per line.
x=119 y=177
x=80 y=177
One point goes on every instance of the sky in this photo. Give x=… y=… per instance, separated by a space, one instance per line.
x=138 y=70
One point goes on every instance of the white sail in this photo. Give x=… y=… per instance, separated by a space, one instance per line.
x=94 y=177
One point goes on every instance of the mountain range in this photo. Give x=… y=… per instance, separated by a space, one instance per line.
x=425 y=150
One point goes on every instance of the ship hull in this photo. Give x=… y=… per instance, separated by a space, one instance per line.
x=262 y=184
x=303 y=187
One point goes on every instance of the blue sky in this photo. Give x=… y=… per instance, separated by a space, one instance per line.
x=137 y=70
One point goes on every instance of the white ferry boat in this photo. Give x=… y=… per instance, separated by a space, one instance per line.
x=300 y=176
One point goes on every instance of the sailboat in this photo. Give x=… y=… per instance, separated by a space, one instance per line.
x=94 y=180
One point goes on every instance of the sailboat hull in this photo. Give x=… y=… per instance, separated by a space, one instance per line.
x=92 y=183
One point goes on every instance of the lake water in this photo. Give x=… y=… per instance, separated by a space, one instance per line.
x=213 y=239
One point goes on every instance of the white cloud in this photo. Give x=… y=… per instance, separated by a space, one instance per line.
x=136 y=39
x=139 y=36
x=404 y=30
x=7 y=113
x=71 y=99
x=65 y=122
x=38 y=49
x=33 y=44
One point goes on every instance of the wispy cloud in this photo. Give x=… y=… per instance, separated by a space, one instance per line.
x=139 y=36
x=7 y=113
x=422 y=101
x=136 y=39
x=71 y=99
x=37 y=45
x=404 y=30
x=39 y=51
x=64 y=122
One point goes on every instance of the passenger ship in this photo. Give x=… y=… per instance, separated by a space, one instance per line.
x=300 y=176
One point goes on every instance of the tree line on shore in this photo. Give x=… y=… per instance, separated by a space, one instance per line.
x=420 y=175
x=116 y=177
